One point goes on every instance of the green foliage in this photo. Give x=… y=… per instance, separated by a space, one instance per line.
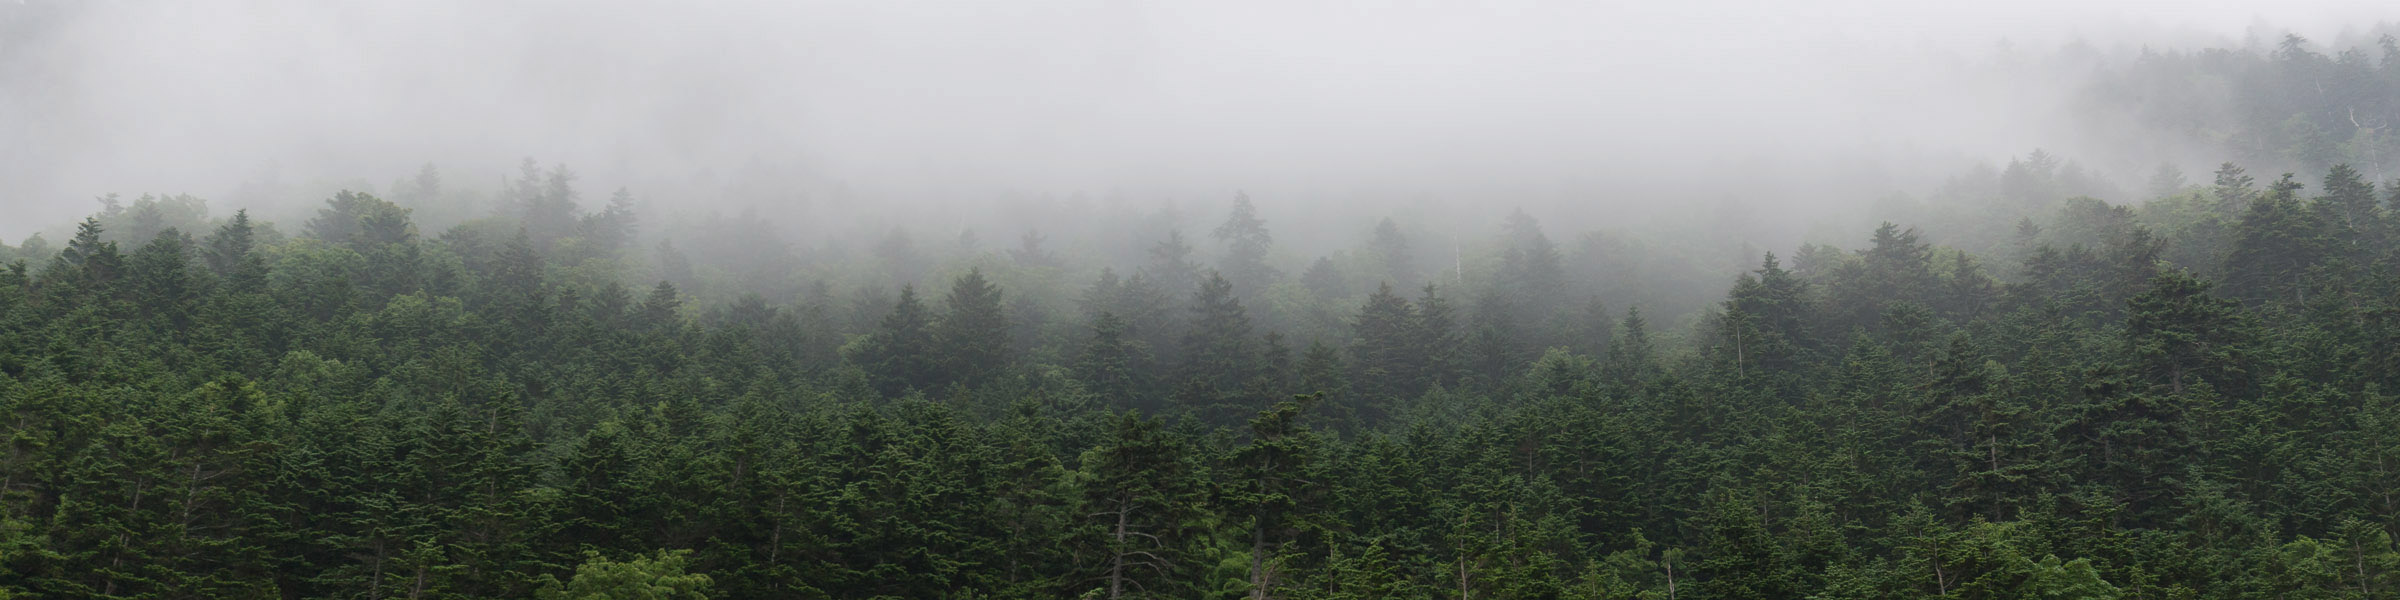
x=658 y=576
x=498 y=412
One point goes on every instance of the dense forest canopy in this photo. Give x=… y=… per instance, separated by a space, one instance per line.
x=2033 y=380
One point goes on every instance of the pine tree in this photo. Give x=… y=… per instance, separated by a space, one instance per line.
x=1320 y=372
x=516 y=288
x=1630 y=360
x=163 y=287
x=900 y=354
x=1171 y=266
x=230 y=254
x=661 y=309
x=1217 y=351
x=1277 y=489
x=610 y=232
x=94 y=264
x=1323 y=279
x=1139 y=497
x=601 y=491
x=2349 y=200
x=658 y=576
x=1112 y=367
x=973 y=336
x=1765 y=322
x=2180 y=335
x=1531 y=265
x=1384 y=350
x=1246 y=243
x=2276 y=246
x=1435 y=340
x=1739 y=557
x=2233 y=190
x=1594 y=328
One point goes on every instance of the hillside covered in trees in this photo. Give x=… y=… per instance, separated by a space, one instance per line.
x=2187 y=398
x=2014 y=390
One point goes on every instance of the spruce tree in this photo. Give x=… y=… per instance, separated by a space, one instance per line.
x=1246 y=243
x=1112 y=366
x=1218 y=350
x=1385 y=350
x=2276 y=246
x=899 y=355
x=972 y=338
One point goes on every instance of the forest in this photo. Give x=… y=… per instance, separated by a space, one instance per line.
x=2029 y=384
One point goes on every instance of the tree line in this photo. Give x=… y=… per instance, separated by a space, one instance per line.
x=2189 y=398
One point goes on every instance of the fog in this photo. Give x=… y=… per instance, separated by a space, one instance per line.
x=1328 y=113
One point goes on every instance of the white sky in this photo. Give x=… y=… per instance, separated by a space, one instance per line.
x=959 y=101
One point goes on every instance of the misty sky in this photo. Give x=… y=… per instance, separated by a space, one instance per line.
x=1297 y=102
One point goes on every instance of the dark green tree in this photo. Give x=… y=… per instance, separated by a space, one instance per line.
x=899 y=355
x=972 y=338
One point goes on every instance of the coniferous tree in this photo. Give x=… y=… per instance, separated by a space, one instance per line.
x=1218 y=351
x=2179 y=335
x=1171 y=266
x=900 y=354
x=1436 y=340
x=1246 y=243
x=1139 y=499
x=1322 y=278
x=163 y=286
x=2234 y=190
x=1765 y=320
x=1277 y=490
x=2276 y=246
x=973 y=337
x=1112 y=366
x=1385 y=350
x=1630 y=360
x=92 y=265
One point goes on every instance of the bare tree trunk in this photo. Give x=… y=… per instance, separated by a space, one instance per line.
x=1258 y=560
x=1670 y=580
x=1116 y=566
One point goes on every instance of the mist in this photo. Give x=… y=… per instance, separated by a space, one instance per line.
x=1583 y=113
x=1128 y=300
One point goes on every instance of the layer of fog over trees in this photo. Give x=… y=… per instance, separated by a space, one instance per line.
x=1295 y=301
x=837 y=123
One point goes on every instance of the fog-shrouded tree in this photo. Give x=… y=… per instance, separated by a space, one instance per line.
x=1390 y=248
x=972 y=337
x=1246 y=242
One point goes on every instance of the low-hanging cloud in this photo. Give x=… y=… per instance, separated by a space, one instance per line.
x=1305 y=104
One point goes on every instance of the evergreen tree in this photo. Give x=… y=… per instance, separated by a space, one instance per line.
x=1385 y=351
x=2234 y=191
x=1630 y=360
x=1764 y=325
x=1323 y=279
x=1277 y=490
x=2180 y=335
x=1112 y=366
x=1171 y=266
x=972 y=338
x=91 y=265
x=2276 y=246
x=1217 y=352
x=1140 y=497
x=1436 y=339
x=163 y=287
x=1246 y=243
x=900 y=354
